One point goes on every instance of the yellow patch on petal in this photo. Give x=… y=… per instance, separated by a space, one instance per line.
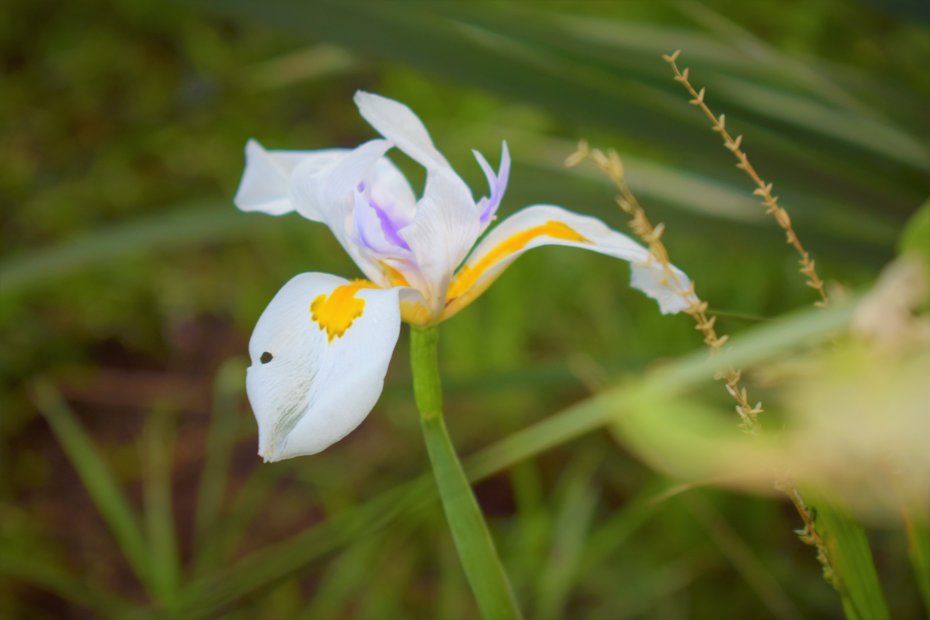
x=395 y=277
x=467 y=276
x=336 y=312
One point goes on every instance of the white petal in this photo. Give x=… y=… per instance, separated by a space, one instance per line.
x=325 y=193
x=444 y=229
x=265 y=182
x=309 y=386
x=542 y=225
x=400 y=125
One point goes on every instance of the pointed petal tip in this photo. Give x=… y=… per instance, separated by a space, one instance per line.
x=366 y=99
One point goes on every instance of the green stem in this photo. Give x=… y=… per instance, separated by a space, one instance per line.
x=470 y=533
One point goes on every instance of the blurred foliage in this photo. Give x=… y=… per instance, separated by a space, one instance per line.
x=128 y=280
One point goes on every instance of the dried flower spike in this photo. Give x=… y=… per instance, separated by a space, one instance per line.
x=763 y=189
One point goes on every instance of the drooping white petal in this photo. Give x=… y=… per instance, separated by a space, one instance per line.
x=402 y=126
x=542 y=225
x=319 y=354
x=265 y=182
x=444 y=229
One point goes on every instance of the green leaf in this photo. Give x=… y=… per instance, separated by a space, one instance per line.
x=159 y=437
x=102 y=488
x=221 y=439
x=281 y=560
x=918 y=548
x=915 y=239
x=52 y=577
x=615 y=80
x=342 y=581
x=188 y=226
x=743 y=557
x=573 y=519
x=851 y=562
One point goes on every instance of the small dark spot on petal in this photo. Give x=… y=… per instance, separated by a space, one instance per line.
x=266 y=357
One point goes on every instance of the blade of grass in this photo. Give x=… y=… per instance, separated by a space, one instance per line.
x=159 y=437
x=526 y=53
x=283 y=559
x=612 y=535
x=103 y=490
x=785 y=334
x=572 y=525
x=341 y=581
x=855 y=129
x=52 y=577
x=741 y=556
x=257 y=491
x=180 y=227
x=853 y=568
x=384 y=597
x=221 y=438
x=918 y=548
x=530 y=539
x=667 y=184
x=277 y=562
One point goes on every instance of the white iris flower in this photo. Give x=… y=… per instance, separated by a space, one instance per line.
x=321 y=349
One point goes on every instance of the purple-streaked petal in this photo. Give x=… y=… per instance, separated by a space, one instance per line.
x=389 y=226
x=443 y=230
x=376 y=231
x=496 y=182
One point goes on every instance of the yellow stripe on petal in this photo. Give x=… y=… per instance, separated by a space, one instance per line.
x=336 y=312
x=469 y=275
x=415 y=313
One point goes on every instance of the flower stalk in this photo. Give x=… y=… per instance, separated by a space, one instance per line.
x=470 y=533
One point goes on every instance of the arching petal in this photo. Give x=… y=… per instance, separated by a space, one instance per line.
x=400 y=125
x=541 y=225
x=325 y=193
x=319 y=354
x=265 y=182
x=443 y=230
x=267 y=185
x=328 y=195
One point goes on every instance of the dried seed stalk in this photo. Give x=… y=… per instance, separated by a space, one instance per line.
x=763 y=189
x=610 y=164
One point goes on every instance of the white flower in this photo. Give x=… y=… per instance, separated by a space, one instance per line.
x=321 y=349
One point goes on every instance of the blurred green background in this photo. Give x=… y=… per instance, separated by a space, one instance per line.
x=129 y=285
